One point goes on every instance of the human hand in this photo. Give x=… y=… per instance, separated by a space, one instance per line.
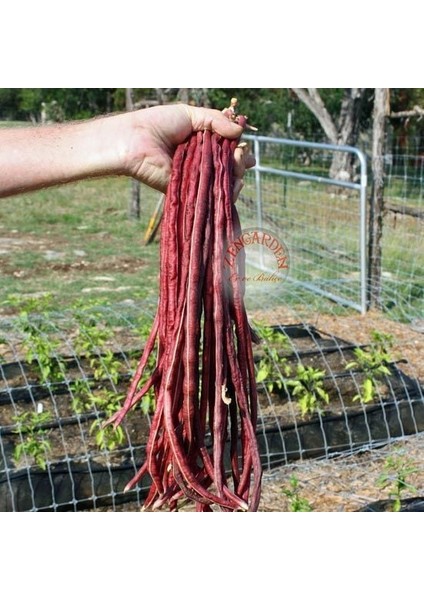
x=156 y=132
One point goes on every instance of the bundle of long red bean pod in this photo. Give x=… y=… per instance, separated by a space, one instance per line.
x=202 y=443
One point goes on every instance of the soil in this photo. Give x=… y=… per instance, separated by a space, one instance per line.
x=344 y=484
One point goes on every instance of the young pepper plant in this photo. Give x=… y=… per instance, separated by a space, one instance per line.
x=373 y=362
x=33 y=442
x=90 y=341
x=397 y=470
x=308 y=388
x=297 y=503
x=272 y=368
x=40 y=350
x=109 y=437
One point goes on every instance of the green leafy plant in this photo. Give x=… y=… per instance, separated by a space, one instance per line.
x=272 y=335
x=271 y=370
x=308 y=388
x=107 y=437
x=90 y=338
x=103 y=401
x=373 y=362
x=148 y=403
x=90 y=341
x=272 y=367
x=297 y=503
x=80 y=390
x=144 y=326
x=105 y=366
x=34 y=441
x=30 y=304
x=397 y=470
x=41 y=350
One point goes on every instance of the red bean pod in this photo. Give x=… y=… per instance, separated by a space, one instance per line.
x=202 y=442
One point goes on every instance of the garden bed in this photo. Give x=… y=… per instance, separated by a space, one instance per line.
x=77 y=475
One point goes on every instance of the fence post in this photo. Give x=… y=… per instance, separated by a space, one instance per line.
x=381 y=103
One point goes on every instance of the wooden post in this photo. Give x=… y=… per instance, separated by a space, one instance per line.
x=376 y=213
x=134 y=203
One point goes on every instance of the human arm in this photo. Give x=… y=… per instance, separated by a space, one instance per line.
x=138 y=144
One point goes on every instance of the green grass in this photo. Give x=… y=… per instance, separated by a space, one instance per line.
x=15 y=124
x=75 y=238
x=76 y=241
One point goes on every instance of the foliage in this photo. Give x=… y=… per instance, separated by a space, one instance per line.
x=34 y=304
x=9 y=103
x=308 y=387
x=272 y=366
x=296 y=502
x=90 y=338
x=106 y=366
x=80 y=390
x=103 y=401
x=274 y=111
x=40 y=349
x=65 y=103
x=148 y=402
x=373 y=362
x=144 y=327
x=108 y=402
x=402 y=99
x=397 y=470
x=34 y=442
x=90 y=342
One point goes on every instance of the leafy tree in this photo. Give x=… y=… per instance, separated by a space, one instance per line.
x=74 y=103
x=9 y=101
x=340 y=129
x=404 y=127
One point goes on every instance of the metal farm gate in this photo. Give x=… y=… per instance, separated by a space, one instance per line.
x=323 y=221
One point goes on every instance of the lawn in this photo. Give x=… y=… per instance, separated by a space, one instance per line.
x=77 y=241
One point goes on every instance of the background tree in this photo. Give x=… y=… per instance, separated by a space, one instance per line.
x=376 y=213
x=340 y=130
x=134 y=202
x=406 y=122
x=74 y=103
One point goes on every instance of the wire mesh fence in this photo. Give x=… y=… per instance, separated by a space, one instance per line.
x=322 y=223
x=63 y=374
x=402 y=243
x=332 y=383
x=321 y=219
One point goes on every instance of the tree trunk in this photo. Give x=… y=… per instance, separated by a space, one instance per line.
x=134 y=202
x=348 y=129
x=381 y=111
x=196 y=96
x=183 y=95
x=161 y=95
x=343 y=132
